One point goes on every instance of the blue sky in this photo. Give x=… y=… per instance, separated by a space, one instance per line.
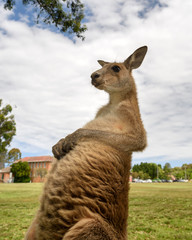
x=47 y=76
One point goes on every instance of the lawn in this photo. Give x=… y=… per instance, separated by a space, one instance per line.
x=157 y=210
x=160 y=211
x=18 y=204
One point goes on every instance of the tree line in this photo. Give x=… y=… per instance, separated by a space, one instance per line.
x=156 y=171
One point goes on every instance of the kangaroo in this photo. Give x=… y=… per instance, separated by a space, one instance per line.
x=86 y=192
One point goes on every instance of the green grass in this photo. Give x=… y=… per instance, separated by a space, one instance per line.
x=18 y=204
x=157 y=210
x=160 y=211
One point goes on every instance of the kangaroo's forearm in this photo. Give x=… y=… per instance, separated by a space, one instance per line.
x=124 y=142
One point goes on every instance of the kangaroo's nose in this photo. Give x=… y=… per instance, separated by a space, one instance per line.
x=94 y=76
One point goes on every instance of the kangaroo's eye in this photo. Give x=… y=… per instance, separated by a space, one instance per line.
x=116 y=68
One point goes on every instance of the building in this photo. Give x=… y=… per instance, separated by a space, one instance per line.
x=6 y=175
x=39 y=168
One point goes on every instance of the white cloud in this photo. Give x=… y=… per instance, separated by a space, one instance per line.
x=48 y=77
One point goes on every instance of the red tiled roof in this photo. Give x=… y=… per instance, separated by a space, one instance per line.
x=37 y=159
x=5 y=170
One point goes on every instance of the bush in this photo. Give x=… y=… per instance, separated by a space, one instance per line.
x=21 y=172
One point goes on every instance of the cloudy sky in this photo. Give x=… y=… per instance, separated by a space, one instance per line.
x=46 y=77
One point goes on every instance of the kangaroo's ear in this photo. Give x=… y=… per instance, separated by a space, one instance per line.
x=101 y=62
x=135 y=60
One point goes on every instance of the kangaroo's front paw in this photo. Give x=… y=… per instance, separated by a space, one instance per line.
x=57 y=149
x=65 y=145
x=69 y=143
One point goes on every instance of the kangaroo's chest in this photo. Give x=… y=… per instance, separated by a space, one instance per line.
x=109 y=119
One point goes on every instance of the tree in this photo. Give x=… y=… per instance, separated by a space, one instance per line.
x=135 y=174
x=167 y=167
x=41 y=172
x=66 y=15
x=7 y=130
x=160 y=172
x=13 y=155
x=167 y=170
x=148 y=168
x=21 y=172
x=187 y=171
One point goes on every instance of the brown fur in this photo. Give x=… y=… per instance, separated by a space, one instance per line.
x=86 y=193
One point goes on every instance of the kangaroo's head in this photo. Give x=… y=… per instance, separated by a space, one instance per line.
x=114 y=77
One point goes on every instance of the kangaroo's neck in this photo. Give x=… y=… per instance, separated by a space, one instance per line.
x=129 y=96
x=117 y=97
x=134 y=100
